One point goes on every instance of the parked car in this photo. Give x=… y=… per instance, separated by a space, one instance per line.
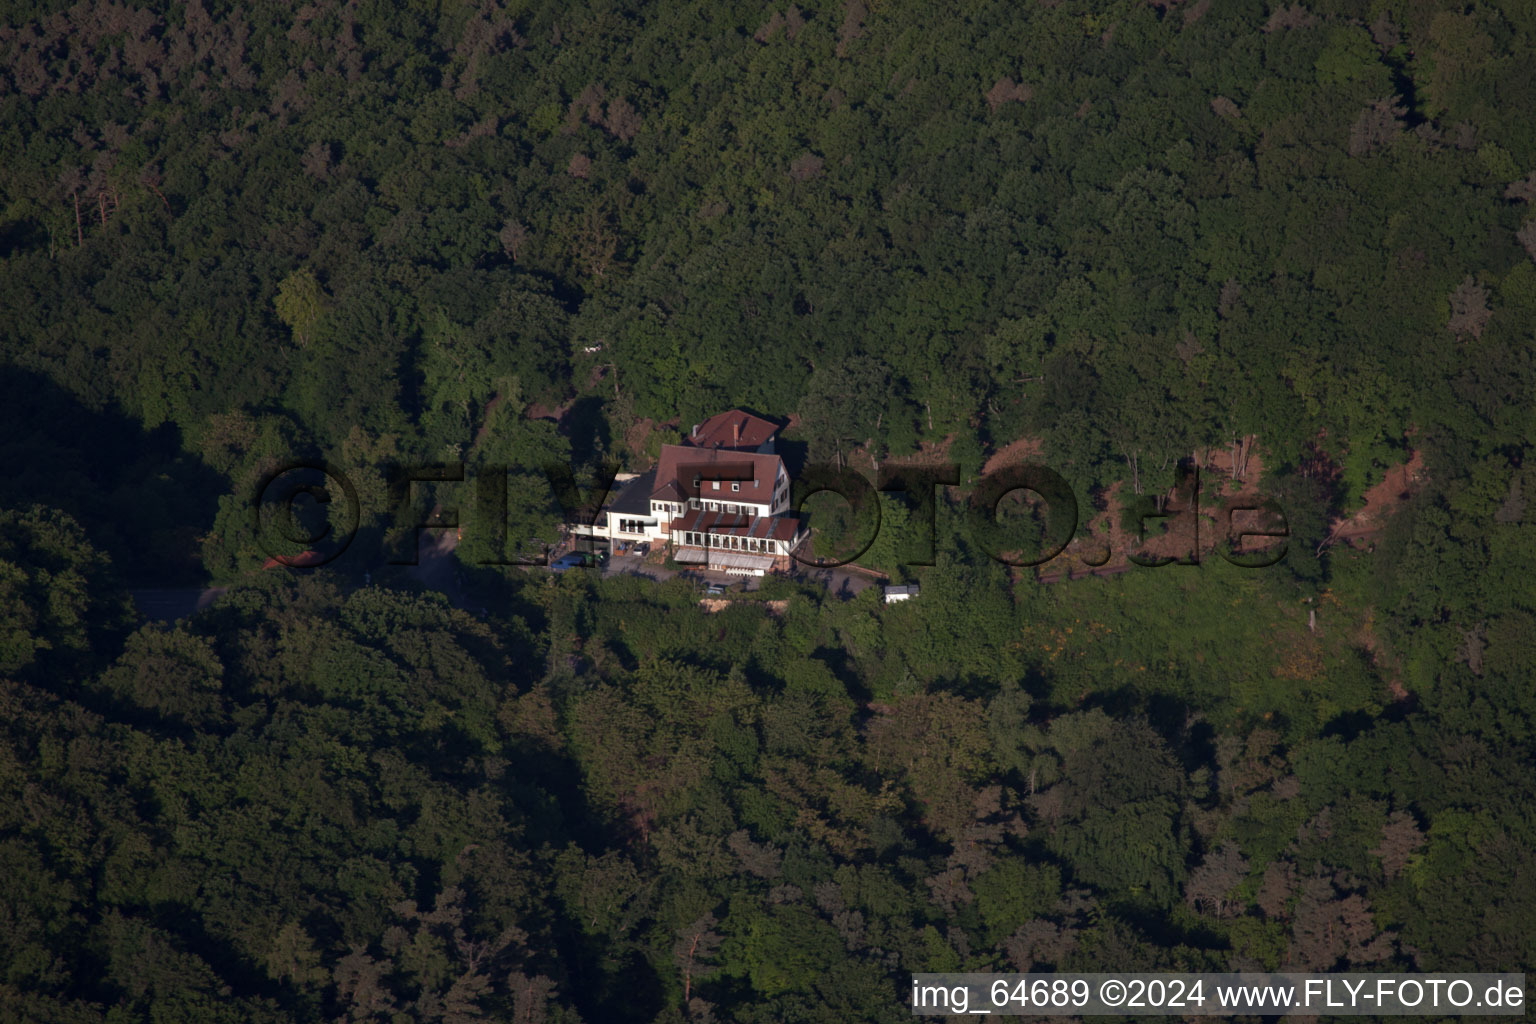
x=714 y=589
x=571 y=561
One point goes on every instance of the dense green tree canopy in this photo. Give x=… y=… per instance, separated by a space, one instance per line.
x=1292 y=243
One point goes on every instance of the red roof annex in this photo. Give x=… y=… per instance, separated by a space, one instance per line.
x=732 y=429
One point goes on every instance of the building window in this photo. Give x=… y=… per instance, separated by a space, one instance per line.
x=717 y=485
x=735 y=485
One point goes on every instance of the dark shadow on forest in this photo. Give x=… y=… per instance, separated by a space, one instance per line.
x=20 y=235
x=841 y=665
x=794 y=454
x=587 y=428
x=1142 y=915
x=140 y=497
x=1349 y=725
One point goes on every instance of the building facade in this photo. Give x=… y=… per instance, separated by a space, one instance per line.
x=719 y=501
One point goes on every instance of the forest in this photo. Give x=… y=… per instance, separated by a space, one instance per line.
x=1292 y=243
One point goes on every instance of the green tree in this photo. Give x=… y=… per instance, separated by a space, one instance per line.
x=300 y=303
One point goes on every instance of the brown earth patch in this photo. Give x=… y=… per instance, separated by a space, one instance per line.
x=638 y=433
x=1024 y=450
x=929 y=453
x=1220 y=460
x=1381 y=500
x=540 y=411
x=485 y=420
x=638 y=436
x=1101 y=546
x=597 y=375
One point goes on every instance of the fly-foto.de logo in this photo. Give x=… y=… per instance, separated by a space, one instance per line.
x=1020 y=515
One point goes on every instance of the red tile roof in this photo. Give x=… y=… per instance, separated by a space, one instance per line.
x=688 y=471
x=669 y=491
x=733 y=429
x=775 y=527
x=302 y=560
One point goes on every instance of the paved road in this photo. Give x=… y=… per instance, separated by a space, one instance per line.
x=635 y=565
x=841 y=582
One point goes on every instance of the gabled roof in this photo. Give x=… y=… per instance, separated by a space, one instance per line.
x=733 y=429
x=681 y=466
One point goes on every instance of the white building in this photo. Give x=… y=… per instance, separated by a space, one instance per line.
x=720 y=501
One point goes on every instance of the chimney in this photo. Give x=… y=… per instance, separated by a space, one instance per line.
x=736 y=434
x=695 y=430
